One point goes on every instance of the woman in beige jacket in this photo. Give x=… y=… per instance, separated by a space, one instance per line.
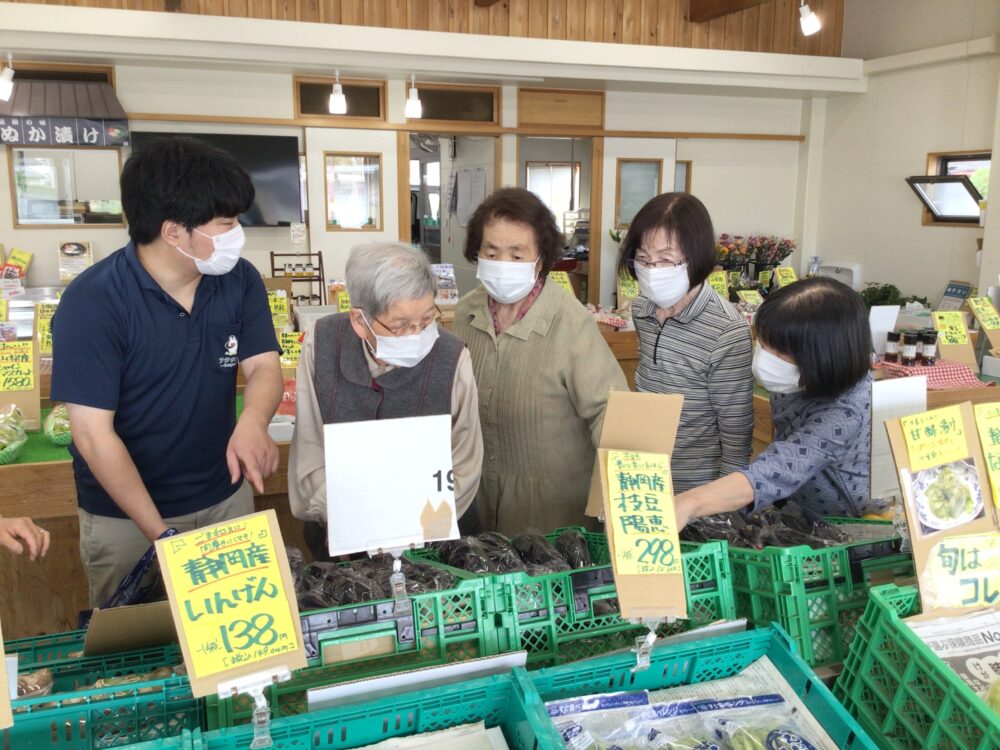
x=542 y=368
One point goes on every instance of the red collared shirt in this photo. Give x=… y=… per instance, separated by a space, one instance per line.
x=525 y=306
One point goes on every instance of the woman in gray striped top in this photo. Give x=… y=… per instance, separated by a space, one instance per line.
x=691 y=341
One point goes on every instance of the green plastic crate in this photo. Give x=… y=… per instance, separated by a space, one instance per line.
x=901 y=692
x=553 y=616
x=352 y=642
x=43 y=650
x=104 y=718
x=817 y=595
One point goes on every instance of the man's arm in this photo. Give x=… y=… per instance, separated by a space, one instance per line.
x=251 y=452
x=16 y=534
x=109 y=460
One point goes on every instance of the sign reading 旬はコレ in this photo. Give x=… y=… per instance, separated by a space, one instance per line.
x=642 y=521
x=964 y=571
x=935 y=438
x=291 y=349
x=17 y=366
x=229 y=592
x=951 y=328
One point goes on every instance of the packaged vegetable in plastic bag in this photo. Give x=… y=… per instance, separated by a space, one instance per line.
x=56 y=425
x=535 y=549
x=297 y=563
x=502 y=553
x=600 y=722
x=573 y=547
x=12 y=434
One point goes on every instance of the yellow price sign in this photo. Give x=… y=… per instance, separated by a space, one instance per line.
x=277 y=300
x=750 y=296
x=934 y=438
x=628 y=288
x=17 y=366
x=642 y=520
x=988 y=424
x=45 y=312
x=982 y=308
x=343 y=301
x=291 y=349
x=719 y=281
x=785 y=275
x=20 y=259
x=964 y=571
x=951 y=328
x=231 y=595
x=561 y=278
x=765 y=278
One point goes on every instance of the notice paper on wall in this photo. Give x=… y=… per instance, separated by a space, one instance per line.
x=382 y=507
x=471 y=188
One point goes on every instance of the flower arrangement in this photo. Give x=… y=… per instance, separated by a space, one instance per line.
x=770 y=250
x=732 y=250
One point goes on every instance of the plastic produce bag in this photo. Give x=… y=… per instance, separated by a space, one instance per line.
x=535 y=549
x=573 y=547
x=503 y=556
x=297 y=563
x=12 y=434
x=601 y=722
x=56 y=425
x=487 y=553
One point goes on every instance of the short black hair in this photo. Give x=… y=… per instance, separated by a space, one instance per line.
x=522 y=207
x=823 y=325
x=184 y=180
x=683 y=216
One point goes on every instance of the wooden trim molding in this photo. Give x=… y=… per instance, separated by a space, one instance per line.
x=596 y=230
x=687 y=173
x=381 y=193
x=403 y=185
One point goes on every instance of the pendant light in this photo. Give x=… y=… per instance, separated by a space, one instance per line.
x=808 y=19
x=414 y=109
x=7 y=79
x=338 y=102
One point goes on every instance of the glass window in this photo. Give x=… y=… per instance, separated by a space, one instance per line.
x=459 y=103
x=363 y=99
x=414 y=172
x=353 y=191
x=66 y=186
x=433 y=174
x=557 y=184
x=949 y=199
x=638 y=181
x=974 y=166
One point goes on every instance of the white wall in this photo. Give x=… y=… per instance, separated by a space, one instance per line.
x=336 y=246
x=558 y=149
x=873 y=142
x=878 y=28
x=470 y=152
x=626 y=110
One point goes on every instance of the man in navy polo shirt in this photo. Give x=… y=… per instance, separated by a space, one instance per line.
x=146 y=348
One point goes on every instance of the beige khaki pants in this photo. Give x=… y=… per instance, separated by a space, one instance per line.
x=110 y=547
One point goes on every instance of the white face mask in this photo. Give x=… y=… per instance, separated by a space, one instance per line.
x=225 y=255
x=774 y=373
x=404 y=351
x=507 y=281
x=664 y=286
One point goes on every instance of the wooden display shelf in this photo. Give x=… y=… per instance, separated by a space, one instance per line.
x=625 y=346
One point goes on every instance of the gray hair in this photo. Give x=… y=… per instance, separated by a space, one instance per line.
x=381 y=274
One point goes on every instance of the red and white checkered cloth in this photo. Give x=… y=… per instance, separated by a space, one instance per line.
x=945 y=375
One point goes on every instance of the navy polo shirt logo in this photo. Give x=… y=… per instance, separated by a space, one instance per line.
x=229 y=359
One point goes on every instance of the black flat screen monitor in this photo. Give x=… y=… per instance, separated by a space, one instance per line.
x=272 y=161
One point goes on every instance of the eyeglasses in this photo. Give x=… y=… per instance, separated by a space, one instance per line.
x=412 y=329
x=636 y=263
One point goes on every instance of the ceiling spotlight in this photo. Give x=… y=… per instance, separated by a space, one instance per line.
x=338 y=102
x=807 y=19
x=414 y=109
x=7 y=79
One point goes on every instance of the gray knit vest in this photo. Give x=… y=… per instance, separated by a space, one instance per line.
x=347 y=392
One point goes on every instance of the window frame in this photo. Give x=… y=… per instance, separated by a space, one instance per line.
x=936 y=162
x=423 y=122
x=687 y=173
x=618 y=184
x=308 y=118
x=27 y=65
x=952 y=179
x=576 y=170
x=15 y=215
x=327 y=202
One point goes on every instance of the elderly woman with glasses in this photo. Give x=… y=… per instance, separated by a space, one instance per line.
x=384 y=359
x=691 y=341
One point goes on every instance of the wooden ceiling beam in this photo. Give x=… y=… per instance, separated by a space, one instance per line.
x=705 y=10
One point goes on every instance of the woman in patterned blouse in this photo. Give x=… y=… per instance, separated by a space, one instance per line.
x=813 y=354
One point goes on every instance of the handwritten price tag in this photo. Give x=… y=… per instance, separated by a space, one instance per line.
x=642 y=521
x=935 y=438
x=951 y=328
x=719 y=281
x=291 y=349
x=17 y=366
x=229 y=589
x=45 y=312
x=988 y=424
x=785 y=275
x=964 y=571
x=562 y=279
x=277 y=300
x=19 y=259
x=751 y=297
x=628 y=288
x=343 y=301
x=765 y=278
x=986 y=314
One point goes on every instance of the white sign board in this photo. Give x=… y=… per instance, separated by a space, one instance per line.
x=389 y=484
x=882 y=319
